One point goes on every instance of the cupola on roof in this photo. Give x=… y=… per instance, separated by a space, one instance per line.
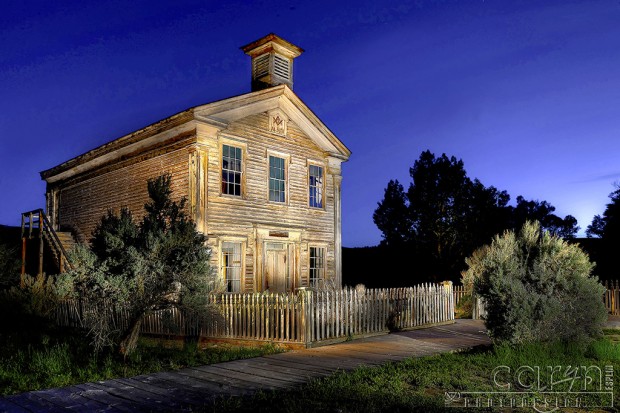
x=272 y=61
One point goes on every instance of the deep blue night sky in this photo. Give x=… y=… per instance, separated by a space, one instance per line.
x=527 y=93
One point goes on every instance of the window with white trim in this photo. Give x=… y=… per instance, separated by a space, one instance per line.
x=277 y=179
x=231 y=266
x=231 y=170
x=315 y=186
x=317 y=266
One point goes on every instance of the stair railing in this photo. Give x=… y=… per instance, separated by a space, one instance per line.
x=35 y=223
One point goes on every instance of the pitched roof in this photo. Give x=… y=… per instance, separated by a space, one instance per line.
x=218 y=113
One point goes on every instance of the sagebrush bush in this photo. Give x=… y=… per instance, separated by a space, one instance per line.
x=537 y=287
x=464 y=308
x=160 y=263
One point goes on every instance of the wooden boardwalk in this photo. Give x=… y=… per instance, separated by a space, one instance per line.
x=197 y=387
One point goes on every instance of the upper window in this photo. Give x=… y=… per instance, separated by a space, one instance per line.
x=277 y=179
x=231 y=266
x=315 y=186
x=231 y=170
x=317 y=266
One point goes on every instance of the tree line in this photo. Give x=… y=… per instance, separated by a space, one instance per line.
x=444 y=216
x=606 y=228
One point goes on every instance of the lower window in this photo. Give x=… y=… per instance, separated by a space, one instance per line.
x=317 y=266
x=231 y=266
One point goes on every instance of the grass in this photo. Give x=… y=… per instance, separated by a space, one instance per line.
x=43 y=357
x=421 y=384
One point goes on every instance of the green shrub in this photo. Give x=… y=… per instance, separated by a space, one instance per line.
x=464 y=308
x=537 y=287
x=160 y=263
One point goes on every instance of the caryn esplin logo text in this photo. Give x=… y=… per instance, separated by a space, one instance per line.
x=544 y=389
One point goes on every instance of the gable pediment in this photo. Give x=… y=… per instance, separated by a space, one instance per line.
x=277 y=100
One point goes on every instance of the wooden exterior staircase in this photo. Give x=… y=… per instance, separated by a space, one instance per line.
x=41 y=240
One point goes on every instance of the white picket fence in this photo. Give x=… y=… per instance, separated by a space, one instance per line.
x=306 y=317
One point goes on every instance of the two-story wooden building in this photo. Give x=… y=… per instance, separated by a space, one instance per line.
x=261 y=172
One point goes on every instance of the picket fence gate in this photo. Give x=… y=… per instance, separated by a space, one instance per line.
x=306 y=318
x=611 y=297
x=459 y=292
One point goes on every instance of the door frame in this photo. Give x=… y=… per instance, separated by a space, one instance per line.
x=278 y=235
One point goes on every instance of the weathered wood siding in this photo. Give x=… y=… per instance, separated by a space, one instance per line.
x=194 y=160
x=254 y=206
x=242 y=216
x=82 y=204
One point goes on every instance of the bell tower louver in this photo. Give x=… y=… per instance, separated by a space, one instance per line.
x=272 y=61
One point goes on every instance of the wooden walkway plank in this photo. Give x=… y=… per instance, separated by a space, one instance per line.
x=133 y=395
x=390 y=349
x=328 y=361
x=331 y=360
x=473 y=334
x=181 y=395
x=262 y=381
x=35 y=403
x=70 y=399
x=11 y=404
x=423 y=345
x=157 y=391
x=205 y=373
x=385 y=358
x=356 y=350
x=364 y=358
x=89 y=391
x=290 y=369
x=270 y=373
x=144 y=394
x=381 y=346
x=7 y=405
x=258 y=368
x=299 y=366
x=203 y=384
x=339 y=360
x=320 y=365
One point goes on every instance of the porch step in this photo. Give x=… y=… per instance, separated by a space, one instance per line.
x=36 y=228
x=66 y=239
